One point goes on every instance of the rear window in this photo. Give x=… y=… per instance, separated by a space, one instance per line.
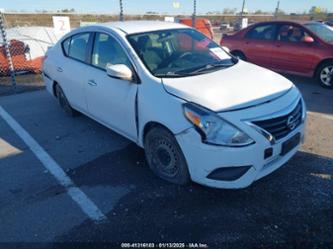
x=262 y=32
x=78 y=46
x=65 y=46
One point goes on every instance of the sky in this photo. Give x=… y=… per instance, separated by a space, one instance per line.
x=161 y=6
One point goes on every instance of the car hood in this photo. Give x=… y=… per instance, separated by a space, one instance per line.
x=240 y=86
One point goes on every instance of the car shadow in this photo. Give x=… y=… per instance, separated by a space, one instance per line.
x=292 y=205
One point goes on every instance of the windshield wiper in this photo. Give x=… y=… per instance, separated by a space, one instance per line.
x=209 y=67
x=198 y=70
x=169 y=75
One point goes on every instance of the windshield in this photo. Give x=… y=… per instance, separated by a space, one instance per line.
x=321 y=30
x=179 y=53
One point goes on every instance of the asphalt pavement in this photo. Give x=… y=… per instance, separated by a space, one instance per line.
x=292 y=206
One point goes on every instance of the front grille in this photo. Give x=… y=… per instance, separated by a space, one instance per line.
x=281 y=126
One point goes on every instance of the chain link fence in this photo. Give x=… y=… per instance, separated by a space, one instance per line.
x=6 y=61
x=3 y=58
x=22 y=50
x=27 y=47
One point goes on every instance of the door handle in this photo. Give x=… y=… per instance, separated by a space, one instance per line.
x=92 y=83
x=59 y=69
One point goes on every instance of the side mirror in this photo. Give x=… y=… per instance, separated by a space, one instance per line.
x=308 y=39
x=119 y=71
x=226 y=49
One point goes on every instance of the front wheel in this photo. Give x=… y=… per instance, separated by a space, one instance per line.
x=325 y=75
x=165 y=157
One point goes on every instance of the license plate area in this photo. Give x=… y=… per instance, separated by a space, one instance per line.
x=290 y=144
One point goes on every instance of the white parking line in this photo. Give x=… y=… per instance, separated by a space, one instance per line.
x=87 y=206
x=324 y=116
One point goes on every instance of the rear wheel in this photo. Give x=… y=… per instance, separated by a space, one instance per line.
x=63 y=102
x=165 y=157
x=240 y=55
x=324 y=75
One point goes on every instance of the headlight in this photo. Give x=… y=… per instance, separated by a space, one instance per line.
x=213 y=129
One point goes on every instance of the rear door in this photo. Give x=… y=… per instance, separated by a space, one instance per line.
x=290 y=52
x=258 y=44
x=72 y=69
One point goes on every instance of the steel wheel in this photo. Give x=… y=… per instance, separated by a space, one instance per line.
x=165 y=157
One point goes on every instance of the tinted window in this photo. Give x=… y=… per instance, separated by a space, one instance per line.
x=108 y=50
x=78 y=46
x=65 y=45
x=262 y=32
x=291 y=33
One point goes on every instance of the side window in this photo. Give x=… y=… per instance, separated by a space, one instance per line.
x=65 y=45
x=150 y=48
x=78 y=46
x=262 y=32
x=108 y=50
x=291 y=33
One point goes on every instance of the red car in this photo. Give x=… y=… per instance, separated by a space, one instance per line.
x=298 y=48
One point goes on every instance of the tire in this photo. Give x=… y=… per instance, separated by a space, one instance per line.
x=63 y=102
x=324 y=75
x=164 y=156
x=239 y=55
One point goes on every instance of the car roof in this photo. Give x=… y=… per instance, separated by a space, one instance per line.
x=132 y=27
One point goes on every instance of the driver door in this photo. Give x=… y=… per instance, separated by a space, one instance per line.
x=111 y=101
x=291 y=53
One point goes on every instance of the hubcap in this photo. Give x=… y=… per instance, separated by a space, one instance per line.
x=165 y=159
x=326 y=76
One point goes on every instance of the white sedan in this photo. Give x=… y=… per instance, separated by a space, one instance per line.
x=199 y=113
